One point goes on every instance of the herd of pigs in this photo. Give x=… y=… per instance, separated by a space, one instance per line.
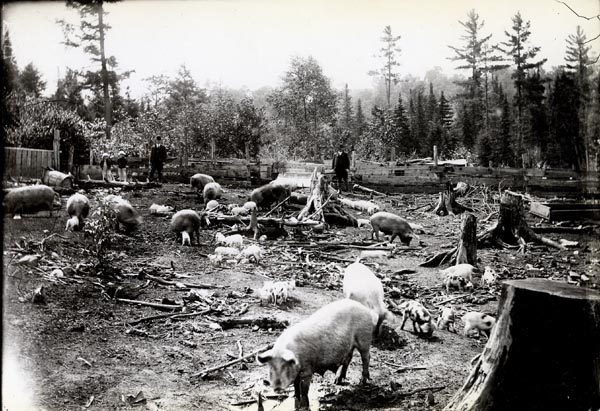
x=325 y=340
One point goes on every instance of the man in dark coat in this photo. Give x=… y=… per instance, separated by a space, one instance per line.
x=158 y=156
x=341 y=165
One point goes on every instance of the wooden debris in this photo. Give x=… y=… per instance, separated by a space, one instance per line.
x=149 y=304
x=232 y=362
x=368 y=190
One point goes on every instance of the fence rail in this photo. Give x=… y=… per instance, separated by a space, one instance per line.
x=26 y=162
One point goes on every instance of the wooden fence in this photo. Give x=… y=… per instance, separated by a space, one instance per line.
x=26 y=162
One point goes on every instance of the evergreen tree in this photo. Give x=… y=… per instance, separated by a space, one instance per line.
x=68 y=93
x=445 y=112
x=31 y=81
x=388 y=53
x=8 y=86
x=565 y=148
x=90 y=36
x=360 y=124
x=517 y=49
x=472 y=58
x=401 y=130
x=346 y=119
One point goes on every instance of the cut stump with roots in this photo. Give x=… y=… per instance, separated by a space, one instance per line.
x=543 y=353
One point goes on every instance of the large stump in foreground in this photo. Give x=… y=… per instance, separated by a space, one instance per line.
x=543 y=354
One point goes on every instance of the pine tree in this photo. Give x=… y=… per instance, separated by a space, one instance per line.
x=517 y=49
x=445 y=112
x=565 y=146
x=360 y=124
x=68 y=93
x=471 y=55
x=91 y=36
x=401 y=130
x=388 y=53
x=579 y=65
x=347 y=117
x=31 y=81
x=8 y=86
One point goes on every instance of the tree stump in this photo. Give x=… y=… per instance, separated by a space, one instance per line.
x=512 y=228
x=543 y=354
x=465 y=252
x=447 y=203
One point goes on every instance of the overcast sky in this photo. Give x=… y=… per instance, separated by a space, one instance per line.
x=250 y=42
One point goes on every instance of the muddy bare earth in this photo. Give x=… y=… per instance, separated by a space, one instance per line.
x=77 y=347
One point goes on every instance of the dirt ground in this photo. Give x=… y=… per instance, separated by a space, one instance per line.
x=77 y=350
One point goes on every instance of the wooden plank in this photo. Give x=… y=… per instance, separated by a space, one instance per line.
x=540 y=210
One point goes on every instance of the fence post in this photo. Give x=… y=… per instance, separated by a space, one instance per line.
x=393 y=154
x=212 y=148
x=56 y=149
x=435 y=156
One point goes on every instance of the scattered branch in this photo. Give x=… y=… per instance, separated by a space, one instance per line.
x=230 y=363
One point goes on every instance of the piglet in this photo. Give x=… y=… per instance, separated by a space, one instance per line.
x=447 y=319
x=489 y=276
x=480 y=322
x=324 y=341
x=418 y=314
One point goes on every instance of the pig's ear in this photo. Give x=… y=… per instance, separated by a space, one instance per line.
x=264 y=357
x=289 y=356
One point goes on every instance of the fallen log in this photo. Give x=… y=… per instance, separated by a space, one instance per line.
x=368 y=190
x=530 y=364
x=88 y=184
x=149 y=304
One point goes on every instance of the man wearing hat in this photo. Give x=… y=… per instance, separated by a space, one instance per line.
x=158 y=155
x=122 y=166
x=341 y=165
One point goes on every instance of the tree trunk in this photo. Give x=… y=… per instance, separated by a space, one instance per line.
x=104 y=72
x=447 y=204
x=543 y=354
x=467 y=246
x=465 y=252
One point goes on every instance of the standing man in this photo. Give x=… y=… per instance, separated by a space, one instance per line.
x=341 y=165
x=158 y=155
x=122 y=166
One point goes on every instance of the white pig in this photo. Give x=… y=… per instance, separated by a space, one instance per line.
x=462 y=270
x=227 y=251
x=480 y=322
x=457 y=281
x=235 y=240
x=489 y=276
x=360 y=284
x=418 y=314
x=324 y=341
x=252 y=251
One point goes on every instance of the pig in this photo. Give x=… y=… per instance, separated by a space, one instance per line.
x=362 y=222
x=269 y=194
x=252 y=251
x=127 y=216
x=212 y=205
x=198 y=181
x=281 y=290
x=29 y=199
x=419 y=316
x=447 y=319
x=373 y=254
x=78 y=208
x=215 y=259
x=480 y=322
x=235 y=240
x=267 y=293
x=393 y=225
x=455 y=280
x=489 y=276
x=186 y=223
x=461 y=270
x=360 y=284
x=237 y=211
x=249 y=205
x=227 y=251
x=324 y=341
x=211 y=191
